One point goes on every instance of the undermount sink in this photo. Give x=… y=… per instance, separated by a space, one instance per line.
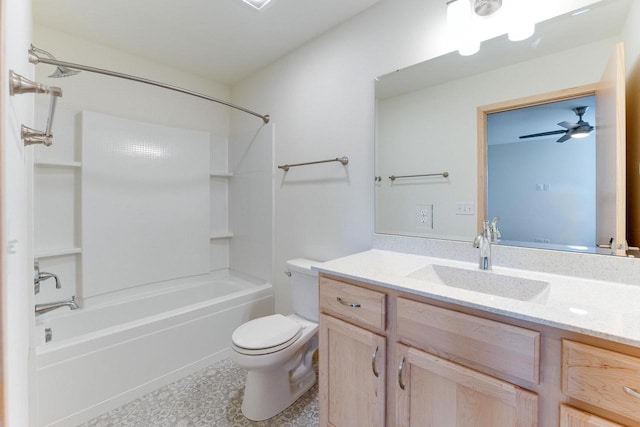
x=486 y=282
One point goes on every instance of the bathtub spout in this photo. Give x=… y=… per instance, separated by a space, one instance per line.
x=44 y=308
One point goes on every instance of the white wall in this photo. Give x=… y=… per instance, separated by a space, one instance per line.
x=124 y=98
x=17 y=295
x=251 y=198
x=631 y=35
x=565 y=214
x=321 y=100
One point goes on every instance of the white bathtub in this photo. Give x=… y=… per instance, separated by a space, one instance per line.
x=108 y=353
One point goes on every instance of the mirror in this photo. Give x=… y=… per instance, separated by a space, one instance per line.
x=427 y=121
x=540 y=177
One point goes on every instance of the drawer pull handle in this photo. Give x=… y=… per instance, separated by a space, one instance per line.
x=348 y=304
x=400 y=367
x=373 y=362
x=631 y=392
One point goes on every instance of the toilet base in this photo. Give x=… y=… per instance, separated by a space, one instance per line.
x=266 y=394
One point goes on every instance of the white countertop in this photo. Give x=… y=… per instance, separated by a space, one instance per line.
x=598 y=308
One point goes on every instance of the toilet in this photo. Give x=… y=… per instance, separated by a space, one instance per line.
x=277 y=350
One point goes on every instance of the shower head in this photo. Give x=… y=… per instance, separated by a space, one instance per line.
x=60 y=71
x=63 y=72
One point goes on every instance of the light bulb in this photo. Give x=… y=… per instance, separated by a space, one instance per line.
x=521 y=24
x=461 y=27
x=469 y=46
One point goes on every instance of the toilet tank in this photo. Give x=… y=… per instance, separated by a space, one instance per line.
x=304 y=288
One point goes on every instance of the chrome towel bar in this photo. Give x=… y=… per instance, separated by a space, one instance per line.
x=442 y=174
x=344 y=160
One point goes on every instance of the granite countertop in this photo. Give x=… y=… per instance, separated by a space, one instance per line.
x=593 y=307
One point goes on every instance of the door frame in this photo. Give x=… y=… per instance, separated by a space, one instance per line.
x=513 y=104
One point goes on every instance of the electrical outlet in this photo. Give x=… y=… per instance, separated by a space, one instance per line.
x=424 y=216
x=465 y=208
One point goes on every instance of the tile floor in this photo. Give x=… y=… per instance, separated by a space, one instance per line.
x=210 y=397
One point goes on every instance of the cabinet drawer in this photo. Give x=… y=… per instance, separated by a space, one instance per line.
x=570 y=417
x=602 y=378
x=349 y=302
x=473 y=341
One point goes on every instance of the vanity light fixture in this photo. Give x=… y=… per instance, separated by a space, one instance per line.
x=460 y=25
x=464 y=15
x=258 y=4
x=521 y=26
x=486 y=7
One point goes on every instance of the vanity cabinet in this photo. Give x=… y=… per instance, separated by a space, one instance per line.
x=435 y=389
x=394 y=358
x=496 y=348
x=435 y=392
x=422 y=383
x=602 y=378
x=352 y=355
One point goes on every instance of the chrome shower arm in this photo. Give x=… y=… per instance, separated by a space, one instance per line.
x=35 y=59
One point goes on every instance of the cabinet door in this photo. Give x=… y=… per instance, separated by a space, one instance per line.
x=352 y=375
x=433 y=392
x=570 y=417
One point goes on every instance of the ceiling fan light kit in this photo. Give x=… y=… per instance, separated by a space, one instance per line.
x=580 y=129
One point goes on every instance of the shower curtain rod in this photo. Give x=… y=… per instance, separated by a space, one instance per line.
x=35 y=59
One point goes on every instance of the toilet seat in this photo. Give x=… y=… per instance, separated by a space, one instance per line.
x=266 y=335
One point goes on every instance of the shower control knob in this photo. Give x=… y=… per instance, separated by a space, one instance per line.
x=39 y=276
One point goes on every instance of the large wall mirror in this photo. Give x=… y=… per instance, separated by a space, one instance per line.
x=434 y=180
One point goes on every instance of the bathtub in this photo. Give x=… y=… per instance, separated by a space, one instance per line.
x=116 y=349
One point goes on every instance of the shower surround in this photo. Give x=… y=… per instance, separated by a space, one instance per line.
x=132 y=212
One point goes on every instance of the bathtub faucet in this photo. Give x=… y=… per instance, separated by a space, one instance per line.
x=44 y=308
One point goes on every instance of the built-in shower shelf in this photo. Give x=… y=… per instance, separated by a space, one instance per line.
x=223 y=235
x=221 y=174
x=58 y=164
x=58 y=252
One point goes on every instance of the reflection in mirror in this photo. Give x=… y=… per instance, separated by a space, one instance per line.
x=427 y=120
x=541 y=181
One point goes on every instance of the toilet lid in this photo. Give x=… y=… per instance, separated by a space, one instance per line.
x=266 y=332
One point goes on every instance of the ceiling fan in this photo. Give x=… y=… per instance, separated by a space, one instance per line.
x=581 y=129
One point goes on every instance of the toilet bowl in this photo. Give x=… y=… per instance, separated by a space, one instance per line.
x=277 y=350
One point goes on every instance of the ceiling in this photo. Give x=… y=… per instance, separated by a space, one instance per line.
x=223 y=40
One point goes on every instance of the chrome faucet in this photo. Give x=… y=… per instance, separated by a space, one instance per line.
x=39 y=276
x=483 y=242
x=44 y=308
x=494 y=233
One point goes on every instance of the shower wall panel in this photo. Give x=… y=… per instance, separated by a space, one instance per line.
x=145 y=203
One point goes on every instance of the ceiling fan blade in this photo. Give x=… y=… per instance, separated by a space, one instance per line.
x=553 y=132
x=566 y=137
x=568 y=125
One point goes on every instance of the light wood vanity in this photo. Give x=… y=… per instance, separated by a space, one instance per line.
x=395 y=358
